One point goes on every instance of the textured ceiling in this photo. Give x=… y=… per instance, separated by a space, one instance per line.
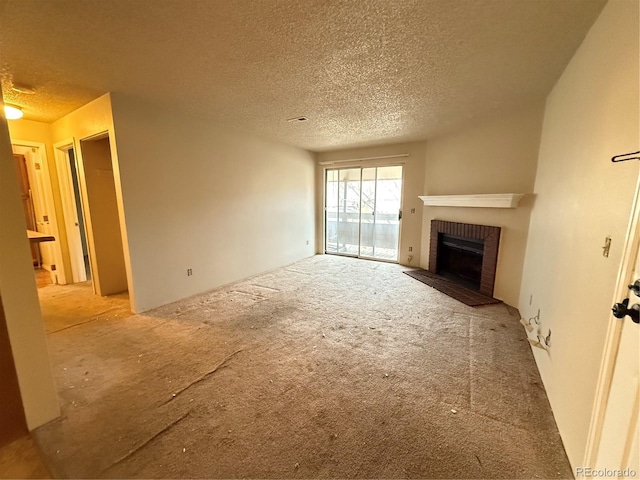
x=363 y=71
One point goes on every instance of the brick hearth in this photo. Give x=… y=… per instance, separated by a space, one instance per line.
x=491 y=237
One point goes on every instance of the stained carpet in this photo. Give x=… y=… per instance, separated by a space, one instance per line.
x=329 y=368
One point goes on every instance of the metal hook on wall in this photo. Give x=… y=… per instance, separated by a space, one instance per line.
x=626 y=156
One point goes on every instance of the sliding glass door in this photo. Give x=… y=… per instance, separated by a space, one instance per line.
x=343 y=211
x=380 y=224
x=362 y=212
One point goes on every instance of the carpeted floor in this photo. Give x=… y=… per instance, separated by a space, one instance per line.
x=329 y=368
x=71 y=305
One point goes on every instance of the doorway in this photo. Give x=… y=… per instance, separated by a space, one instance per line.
x=363 y=212
x=92 y=220
x=101 y=216
x=28 y=207
x=79 y=222
x=39 y=212
x=71 y=195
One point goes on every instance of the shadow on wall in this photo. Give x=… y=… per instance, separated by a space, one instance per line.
x=12 y=420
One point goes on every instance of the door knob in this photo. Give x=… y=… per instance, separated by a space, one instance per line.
x=621 y=310
x=635 y=287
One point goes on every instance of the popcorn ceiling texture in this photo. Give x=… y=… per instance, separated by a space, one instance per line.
x=364 y=72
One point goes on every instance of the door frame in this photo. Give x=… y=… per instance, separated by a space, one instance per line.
x=346 y=165
x=69 y=207
x=87 y=212
x=614 y=334
x=49 y=202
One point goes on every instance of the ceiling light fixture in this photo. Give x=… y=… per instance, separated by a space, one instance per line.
x=11 y=112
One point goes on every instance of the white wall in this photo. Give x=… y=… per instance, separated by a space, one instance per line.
x=20 y=299
x=591 y=115
x=496 y=156
x=195 y=196
x=411 y=225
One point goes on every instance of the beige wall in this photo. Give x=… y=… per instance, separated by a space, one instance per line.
x=101 y=214
x=37 y=132
x=212 y=216
x=591 y=115
x=496 y=156
x=20 y=299
x=89 y=120
x=226 y=205
x=93 y=119
x=410 y=229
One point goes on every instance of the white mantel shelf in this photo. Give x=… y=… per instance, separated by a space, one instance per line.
x=483 y=200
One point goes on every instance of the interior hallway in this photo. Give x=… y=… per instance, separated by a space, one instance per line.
x=330 y=367
x=63 y=307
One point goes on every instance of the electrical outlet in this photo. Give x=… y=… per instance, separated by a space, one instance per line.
x=307 y=242
x=189 y=272
x=413 y=210
x=411 y=249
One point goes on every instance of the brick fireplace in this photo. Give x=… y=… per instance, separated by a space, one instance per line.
x=465 y=253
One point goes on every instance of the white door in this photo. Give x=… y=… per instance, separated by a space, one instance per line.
x=619 y=443
x=618 y=446
x=73 y=224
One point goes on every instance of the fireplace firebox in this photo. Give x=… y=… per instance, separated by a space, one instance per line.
x=465 y=253
x=460 y=259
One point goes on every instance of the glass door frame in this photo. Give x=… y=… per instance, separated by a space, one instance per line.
x=325 y=211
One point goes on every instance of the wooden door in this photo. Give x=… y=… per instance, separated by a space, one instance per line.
x=27 y=202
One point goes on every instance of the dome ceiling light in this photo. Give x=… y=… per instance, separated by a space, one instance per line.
x=11 y=112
